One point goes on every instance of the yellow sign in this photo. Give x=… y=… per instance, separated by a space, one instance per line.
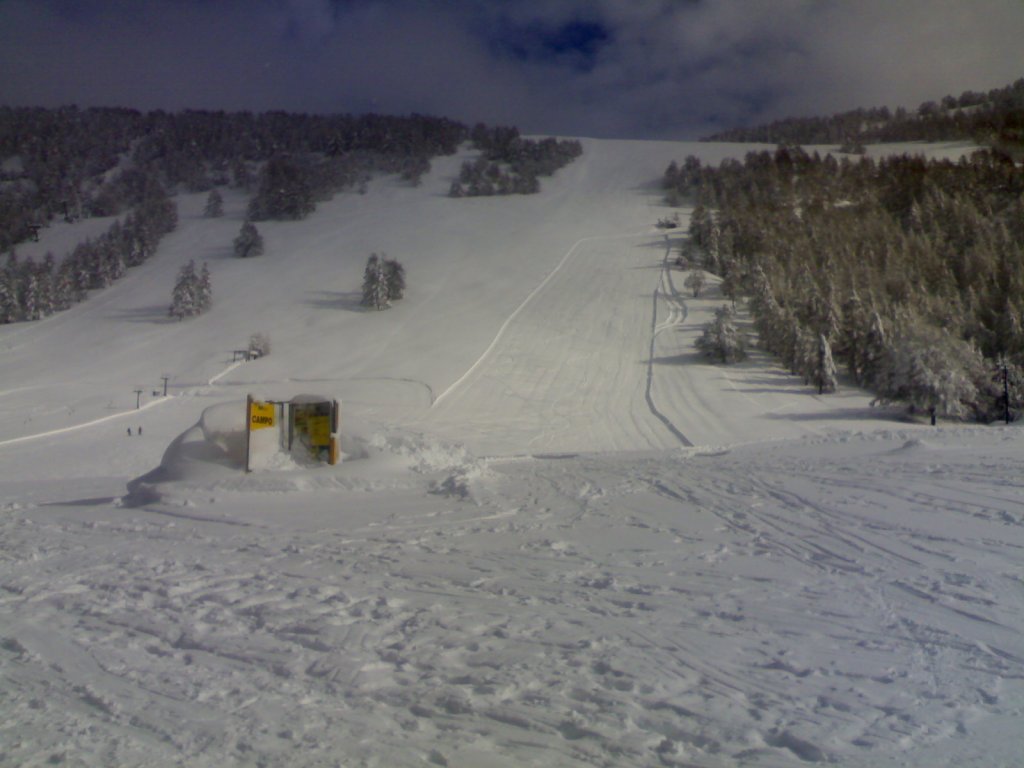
x=319 y=430
x=261 y=415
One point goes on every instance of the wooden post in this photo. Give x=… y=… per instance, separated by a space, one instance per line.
x=333 y=448
x=248 y=430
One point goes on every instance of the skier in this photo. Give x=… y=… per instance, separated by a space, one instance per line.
x=129 y=431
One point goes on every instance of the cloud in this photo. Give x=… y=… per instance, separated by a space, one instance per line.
x=641 y=68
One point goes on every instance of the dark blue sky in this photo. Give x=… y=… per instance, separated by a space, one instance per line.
x=623 y=68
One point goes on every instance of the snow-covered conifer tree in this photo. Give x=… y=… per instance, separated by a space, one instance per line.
x=204 y=291
x=695 y=281
x=214 y=205
x=249 y=241
x=722 y=340
x=375 y=284
x=9 y=309
x=188 y=298
x=64 y=294
x=394 y=274
x=928 y=368
x=824 y=367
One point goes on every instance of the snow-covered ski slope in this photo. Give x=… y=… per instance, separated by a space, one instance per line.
x=560 y=538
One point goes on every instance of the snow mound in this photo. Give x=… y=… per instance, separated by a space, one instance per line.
x=422 y=454
x=210 y=457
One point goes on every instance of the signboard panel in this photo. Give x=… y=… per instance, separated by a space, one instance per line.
x=306 y=428
x=262 y=415
x=320 y=431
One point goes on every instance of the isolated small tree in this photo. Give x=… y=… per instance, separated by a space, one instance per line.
x=249 y=241
x=375 y=284
x=214 y=205
x=722 y=340
x=394 y=276
x=184 y=299
x=695 y=281
x=259 y=345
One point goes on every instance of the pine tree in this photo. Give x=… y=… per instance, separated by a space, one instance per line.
x=695 y=281
x=394 y=275
x=931 y=370
x=9 y=309
x=191 y=294
x=249 y=241
x=825 y=368
x=722 y=340
x=63 y=286
x=204 y=292
x=29 y=291
x=284 y=191
x=375 y=284
x=214 y=205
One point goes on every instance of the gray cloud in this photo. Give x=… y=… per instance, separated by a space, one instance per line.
x=643 y=68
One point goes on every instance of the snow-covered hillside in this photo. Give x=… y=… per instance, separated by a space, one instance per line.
x=558 y=538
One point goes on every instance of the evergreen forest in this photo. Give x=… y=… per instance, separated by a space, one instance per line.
x=75 y=163
x=994 y=118
x=910 y=272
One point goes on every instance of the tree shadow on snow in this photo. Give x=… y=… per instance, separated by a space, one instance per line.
x=659 y=242
x=220 y=253
x=684 y=358
x=350 y=301
x=852 y=414
x=152 y=314
x=655 y=187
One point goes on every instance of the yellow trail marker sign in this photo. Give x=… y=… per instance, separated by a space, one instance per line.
x=261 y=415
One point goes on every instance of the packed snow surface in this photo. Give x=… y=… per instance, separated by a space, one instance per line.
x=558 y=538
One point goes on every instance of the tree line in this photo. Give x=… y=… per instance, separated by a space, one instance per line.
x=995 y=117
x=30 y=290
x=509 y=164
x=72 y=162
x=910 y=272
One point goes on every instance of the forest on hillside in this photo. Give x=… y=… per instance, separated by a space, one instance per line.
x=75 y=163
x=911 y=272
x=994 y=118
x=70 y=163
x=509 y=164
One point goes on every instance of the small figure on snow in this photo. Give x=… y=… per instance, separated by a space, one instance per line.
x=129 y=431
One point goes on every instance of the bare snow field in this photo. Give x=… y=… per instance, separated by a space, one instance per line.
x=558 y=538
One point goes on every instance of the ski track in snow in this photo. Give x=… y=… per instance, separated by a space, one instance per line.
x=808 y=584
x=758 y=607
x=518 y=310
x=675 y=318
